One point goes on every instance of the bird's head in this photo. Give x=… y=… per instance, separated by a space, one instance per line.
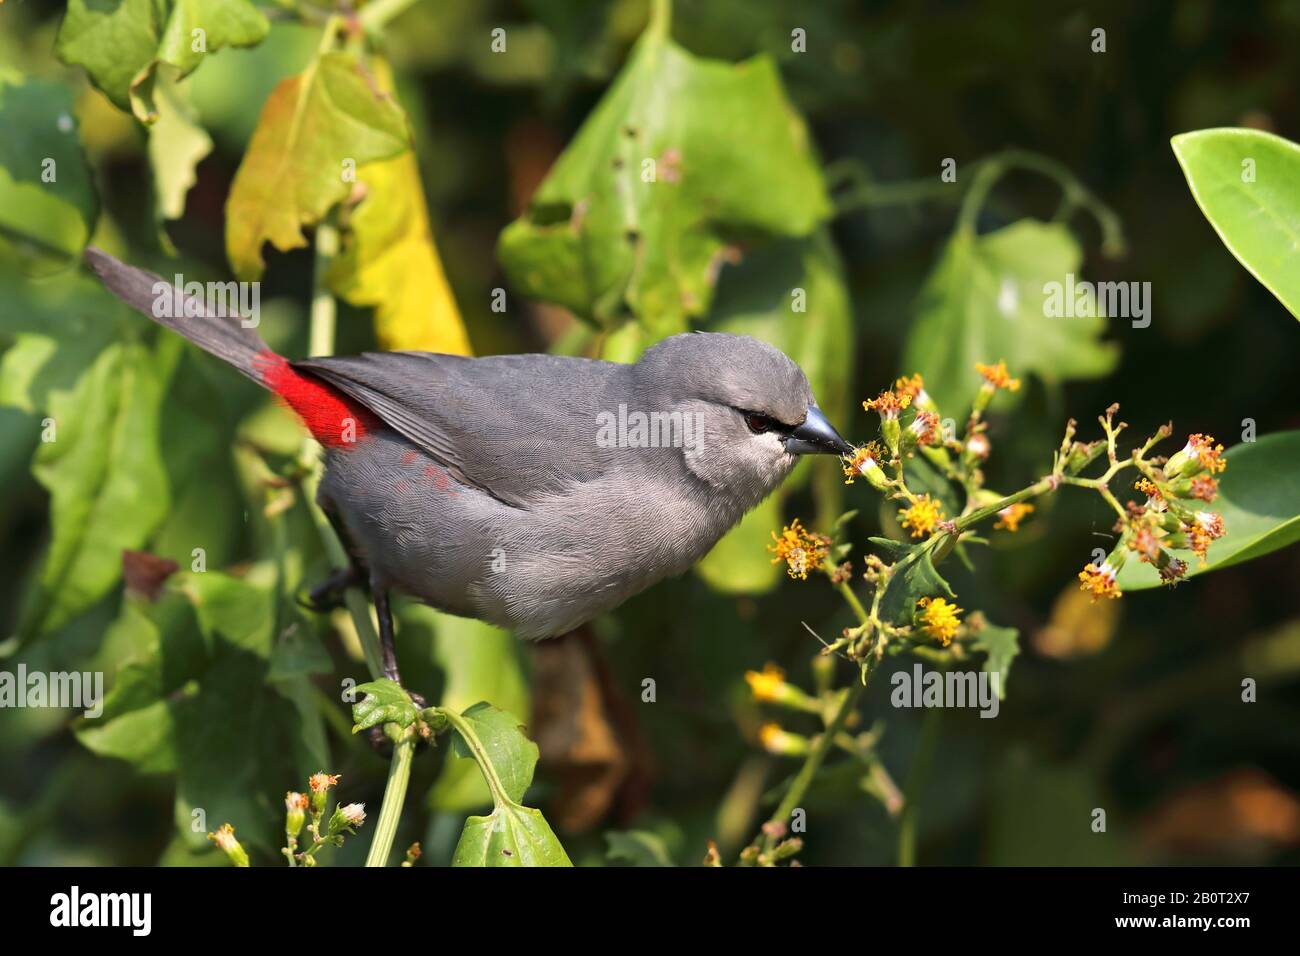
x=749 y=409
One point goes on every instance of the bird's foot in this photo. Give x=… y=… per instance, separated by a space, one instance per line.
x=328 y=595
x=380 y=742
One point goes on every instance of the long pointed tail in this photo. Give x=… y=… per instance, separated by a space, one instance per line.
x=224 y=336
x=331 y=416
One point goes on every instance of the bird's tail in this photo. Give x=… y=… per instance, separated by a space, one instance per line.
x=331 y=416
x=225 y=336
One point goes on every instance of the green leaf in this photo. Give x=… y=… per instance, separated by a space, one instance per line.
x=1000 y=645
x=510 y=836
x=1245 y=182
x=638 y=847
x=740 y=562
x=914 y=577
x=729 y=156
x=314 y=128
x=1259 y=499
x=121 y=42
x=48 y=205
x=177 y=143
x=480 y=662
x=199 y=701
x=107 y=484
x=512 y=755
x=385 y=702
x=986 y=300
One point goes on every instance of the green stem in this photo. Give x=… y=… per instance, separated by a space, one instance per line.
x=390 y=812
x=916 y=780
x=812 y=763
x=1076 y=195
x=323 y=316
x=1042 y=486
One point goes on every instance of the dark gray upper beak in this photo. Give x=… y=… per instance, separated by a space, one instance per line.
x=816 y=436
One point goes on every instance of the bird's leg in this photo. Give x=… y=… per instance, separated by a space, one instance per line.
x=385 y=615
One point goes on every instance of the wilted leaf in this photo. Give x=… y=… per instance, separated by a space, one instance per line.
x=121 y=42
x=313 y=126
x=389 y=260
x=986 y=301
x=1259 y=499
x=108 y=489
x=679 y=159
x=1245 y=181
x=48 y=206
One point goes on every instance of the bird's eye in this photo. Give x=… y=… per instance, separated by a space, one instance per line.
x=758 y=423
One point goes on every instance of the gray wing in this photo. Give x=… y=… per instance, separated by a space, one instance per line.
x=518 y=427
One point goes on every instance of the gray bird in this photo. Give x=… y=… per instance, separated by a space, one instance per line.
x=534 y=492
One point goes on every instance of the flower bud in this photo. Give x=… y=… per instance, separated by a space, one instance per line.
x=320 y=784
x=295 y=813
x=782 y=742
x=347 y=818
x=891 y=431
x=225 y=840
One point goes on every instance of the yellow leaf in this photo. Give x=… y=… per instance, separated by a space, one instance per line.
x=314 y=130
x=389 y=261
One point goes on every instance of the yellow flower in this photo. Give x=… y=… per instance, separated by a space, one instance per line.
x=865 y=461
x=801 y=550
x=913 y=386
x=939 y=618
x=889 y=403
x=1207 y=452
x=996 y=376
x=921 y=516
x=765 y=684
x=1204 y=487
x=1011 y=516
x=1099 y=581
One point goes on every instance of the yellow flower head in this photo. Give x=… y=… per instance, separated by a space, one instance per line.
x=1210 y=455
x=996 y=376
x=1146 y=543
x=913 y=386
x=863 y=460
x=765 y=684
x=1011 y=516
x=1148 y=488
x=888 y=404
x=1099 y=581
x=801 y=550
x=921 y=516
x=939 y=618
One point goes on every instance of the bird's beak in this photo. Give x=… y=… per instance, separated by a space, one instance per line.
x=816 y=436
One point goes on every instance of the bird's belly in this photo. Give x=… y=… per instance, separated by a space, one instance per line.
x=539 y=571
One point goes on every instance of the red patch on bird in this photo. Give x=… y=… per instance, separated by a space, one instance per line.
x=409 y=456
x=334 y=420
